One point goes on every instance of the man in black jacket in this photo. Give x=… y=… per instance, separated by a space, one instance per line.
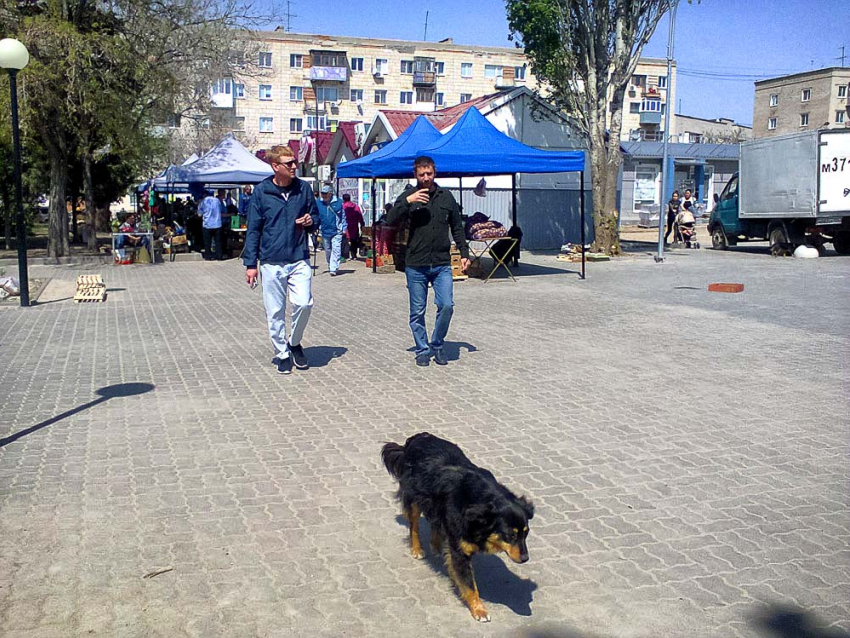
x=281 y=214
x=432 y=212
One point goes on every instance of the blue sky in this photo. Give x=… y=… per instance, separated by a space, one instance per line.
x=721 y=46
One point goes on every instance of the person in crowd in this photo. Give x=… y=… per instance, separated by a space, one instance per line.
x=281 y=215
x=211 y=209
x=673 y=207
x=129 y=226
x=432 y=213
x=333 y=227
x=245 y=200
x=355 y=223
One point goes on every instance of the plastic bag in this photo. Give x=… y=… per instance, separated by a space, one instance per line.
x=10 y=286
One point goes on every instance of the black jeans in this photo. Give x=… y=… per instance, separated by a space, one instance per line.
x=671 y=217
x=212 y=235
x=354 y=245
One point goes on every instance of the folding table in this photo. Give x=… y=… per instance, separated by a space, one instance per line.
x=498 y=261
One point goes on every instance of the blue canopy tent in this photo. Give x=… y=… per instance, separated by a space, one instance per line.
x=475 y=147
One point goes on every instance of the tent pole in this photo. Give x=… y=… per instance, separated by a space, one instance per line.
x=460 y=191
x=581 y=205
x=513 y=198
x=374 y=231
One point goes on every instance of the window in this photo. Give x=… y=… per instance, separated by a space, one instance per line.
x=774 y=99
x=265 y=60
x=492 y=71
x=731 y=189
x=356 y=64
x=440 y=99
x=440 y=68
x=316 y=124
x=204 y=123
x=333 y=125
x=239 y=90
x=265 y=91
x=296 y=93
x=842 y=90
x=295 y=124
x=266 y=125
x=381 y=97
x=425 y=95
x=465 y=97
x=639 y=80
x=296 y=60
x=651 y=106
x=382 y=66
x=239 y=124
x=804 y=119
x=406 y=97
x=222 y=87
x=634 y=107
x=519 y=72
x=466 y=69
x=407 y=67
x=694 y=138
x=839 y=117
x=327 y=93
x=662 y=81
x=173 y=120
x=806 y=95
x=356 y=95
x=771 y=123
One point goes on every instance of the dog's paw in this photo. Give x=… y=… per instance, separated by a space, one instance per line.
x=479 y=613
x=418 y=554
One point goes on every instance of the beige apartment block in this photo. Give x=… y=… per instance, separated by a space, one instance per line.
x=802 y=102
x=647 y=97
x=307 y=82
x=721 y=130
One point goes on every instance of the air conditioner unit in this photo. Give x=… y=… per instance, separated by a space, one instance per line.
x=377 y=72
x=324 y=172
x=632 y=89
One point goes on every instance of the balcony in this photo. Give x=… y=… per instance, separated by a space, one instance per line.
x=650 y=117
x=424 y=78
x=504 y=82
x=328 y=73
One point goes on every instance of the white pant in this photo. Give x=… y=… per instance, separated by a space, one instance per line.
x=278 y=281
x=333 y=250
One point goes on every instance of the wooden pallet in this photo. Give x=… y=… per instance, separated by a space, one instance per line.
x=90 y=289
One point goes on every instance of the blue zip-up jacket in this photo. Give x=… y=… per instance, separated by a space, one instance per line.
x=333 y=219
x=273 y=236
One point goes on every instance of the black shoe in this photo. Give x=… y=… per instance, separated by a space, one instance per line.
x=423 y=360
x=284 y=366
x=440 y=358
x=296 y=353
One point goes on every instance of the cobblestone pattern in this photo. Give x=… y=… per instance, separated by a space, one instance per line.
x=686 y=451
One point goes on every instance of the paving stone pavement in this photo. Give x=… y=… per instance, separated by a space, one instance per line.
x=686 y=451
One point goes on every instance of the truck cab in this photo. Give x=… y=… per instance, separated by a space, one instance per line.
x=724 y=225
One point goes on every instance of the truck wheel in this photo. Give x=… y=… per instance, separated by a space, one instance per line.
x=718 y=239
x=841 y=242
x=780 y=245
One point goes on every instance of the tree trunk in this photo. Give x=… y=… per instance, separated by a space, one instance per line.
x=604 y=170
x=57 y=232
x=88 y=194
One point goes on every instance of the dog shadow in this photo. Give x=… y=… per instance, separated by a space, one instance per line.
x=496 y=583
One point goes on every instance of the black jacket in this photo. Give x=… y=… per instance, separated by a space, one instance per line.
x=272 y=235
x=428 y=243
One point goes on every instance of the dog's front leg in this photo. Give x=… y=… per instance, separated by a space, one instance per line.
x=436 y=538
x=459 y=566
x=412 y=516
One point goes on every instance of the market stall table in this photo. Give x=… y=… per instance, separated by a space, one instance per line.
x=487 y=244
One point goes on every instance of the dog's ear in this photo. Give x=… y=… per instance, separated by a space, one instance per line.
x=477 y=517
x=527 y=506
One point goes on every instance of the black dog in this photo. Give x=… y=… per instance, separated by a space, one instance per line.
x=468 y=509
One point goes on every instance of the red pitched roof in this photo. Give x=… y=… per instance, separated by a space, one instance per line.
x=349 y=134
x=400 y=120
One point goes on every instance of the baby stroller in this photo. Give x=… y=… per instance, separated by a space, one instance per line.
x=684 y=228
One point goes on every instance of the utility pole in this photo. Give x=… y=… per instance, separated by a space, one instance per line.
x=425 y=37
x=842 y=56
x=666 y=165
x=288 y=15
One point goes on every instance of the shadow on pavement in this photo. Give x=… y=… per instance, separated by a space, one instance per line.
x=105 y=393
x=496 y=583
x=781 y=621
x=452 y=349
x=320 y=356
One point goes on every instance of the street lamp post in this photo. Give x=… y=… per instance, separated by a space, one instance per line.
x=666 y=168
x=14 y=57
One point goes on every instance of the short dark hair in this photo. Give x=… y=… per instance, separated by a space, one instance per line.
x=346 y=197
x=422 y=160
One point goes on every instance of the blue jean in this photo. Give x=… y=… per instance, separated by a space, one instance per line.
x=440 y=278
x=333 y=251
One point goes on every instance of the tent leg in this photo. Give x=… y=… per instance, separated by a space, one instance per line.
x=581 y=205
x=513 y=208
x=460 y=183
x=374 y=229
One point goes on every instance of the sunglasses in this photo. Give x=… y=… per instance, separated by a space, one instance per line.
x=289 y=164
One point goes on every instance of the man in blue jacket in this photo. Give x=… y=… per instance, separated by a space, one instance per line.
x=281 y=214
x=333 y=227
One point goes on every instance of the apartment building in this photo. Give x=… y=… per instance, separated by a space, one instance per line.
x=802 y=102
x=721 y=130
x=313 y=82
x=647 y=97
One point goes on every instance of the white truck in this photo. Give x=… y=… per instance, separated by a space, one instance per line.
x=789 y=190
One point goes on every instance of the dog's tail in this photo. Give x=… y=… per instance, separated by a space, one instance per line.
x=392 y=454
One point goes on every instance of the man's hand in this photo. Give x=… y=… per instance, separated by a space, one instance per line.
x=464 y=264
x=305 y=220
x=251 y=276
x=420 y=196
